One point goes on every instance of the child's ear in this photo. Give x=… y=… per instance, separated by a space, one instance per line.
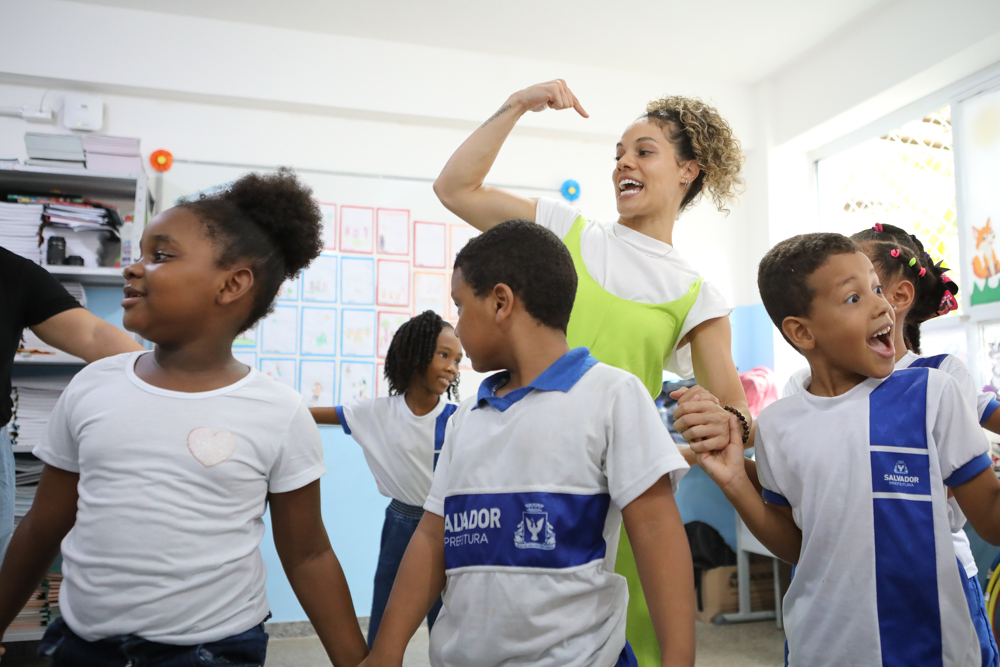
x=238 y=283
x=901 y=294
x=503 y=302
x=799 y=331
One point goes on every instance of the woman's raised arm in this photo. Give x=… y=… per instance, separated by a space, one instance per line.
x=460 y=184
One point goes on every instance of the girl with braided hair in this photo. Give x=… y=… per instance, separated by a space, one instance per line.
x=918 y=290
x=401 y=437
x=639 y=305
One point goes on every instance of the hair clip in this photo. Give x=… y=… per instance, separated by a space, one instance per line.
x=923 y=272
x=927 y=255
x=894 y=252
x=877 y=227
x=913 y=261
x=946 y=279
x=947 y=305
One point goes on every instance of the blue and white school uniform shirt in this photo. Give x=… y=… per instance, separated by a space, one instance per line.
x=401 y=448
x=531 y=486
x=865 y=474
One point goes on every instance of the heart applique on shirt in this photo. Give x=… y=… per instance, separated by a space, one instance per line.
x=211 y=448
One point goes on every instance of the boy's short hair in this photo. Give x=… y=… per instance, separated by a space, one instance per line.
x=783 y=274
x=529 y=259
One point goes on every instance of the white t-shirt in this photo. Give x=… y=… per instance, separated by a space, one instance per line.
x=531 y=486
x=172 y=491
x=636 y=267
x=982 y=403
x=865 y=475
x=401 y=448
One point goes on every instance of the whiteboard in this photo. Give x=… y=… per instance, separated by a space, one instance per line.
x=389 y=246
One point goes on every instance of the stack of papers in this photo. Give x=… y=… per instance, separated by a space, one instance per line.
x=35 y=612
x=34 y=399
x=106 y=153
x=55 y=583
x=19 y=224
x=54 y=150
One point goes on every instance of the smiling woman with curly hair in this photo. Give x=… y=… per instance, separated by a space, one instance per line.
x=639 y=305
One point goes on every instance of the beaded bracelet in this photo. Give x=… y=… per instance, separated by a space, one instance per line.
x=743 y=420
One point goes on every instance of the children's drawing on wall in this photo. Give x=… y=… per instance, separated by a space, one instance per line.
x=282 y=370
x=357 y=281
x=429 y=292
x=247 y=339
x=393 y=283
x=388 y=325
x=358 y=338
x=979 y=149
x=356 y=225
x=329 y=213
x=289 y=290
x=280 y=330
x=393 y=231
x=316 y=383
x=319 y=280
x=460 y=235
x=429 y=245
x=319 y=331
x=356 y=381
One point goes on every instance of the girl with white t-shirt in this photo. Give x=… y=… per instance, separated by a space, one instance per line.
x=159 y=465
x=639 y=305
x=401 y=437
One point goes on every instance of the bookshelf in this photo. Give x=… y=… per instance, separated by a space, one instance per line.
x=130 y=194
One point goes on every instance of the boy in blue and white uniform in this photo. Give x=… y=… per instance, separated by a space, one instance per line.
x=535 y=477
x=854 y=472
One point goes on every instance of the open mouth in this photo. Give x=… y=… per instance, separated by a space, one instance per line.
x=881 y=343
x=131 y=295
x=628 y=187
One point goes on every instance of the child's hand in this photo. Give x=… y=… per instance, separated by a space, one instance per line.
x=700 y=419
x=725 y=466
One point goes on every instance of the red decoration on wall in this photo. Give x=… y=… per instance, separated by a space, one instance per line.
x=161 y=160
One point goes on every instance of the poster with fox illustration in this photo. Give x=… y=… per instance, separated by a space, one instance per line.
x=979 y=152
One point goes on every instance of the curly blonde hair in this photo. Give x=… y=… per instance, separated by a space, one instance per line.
x=698 y=132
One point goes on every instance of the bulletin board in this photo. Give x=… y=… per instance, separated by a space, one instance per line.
x=389 y=246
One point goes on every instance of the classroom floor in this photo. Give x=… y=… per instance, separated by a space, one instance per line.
x=744 y=644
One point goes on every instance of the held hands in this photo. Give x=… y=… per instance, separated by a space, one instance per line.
x=724 y=466
x=551 y=95
x=701 y=421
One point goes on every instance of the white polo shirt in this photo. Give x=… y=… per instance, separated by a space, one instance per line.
x=173 y=487
x=531 y=487
x=865 y=474
x=983 y=403
x=401 y=448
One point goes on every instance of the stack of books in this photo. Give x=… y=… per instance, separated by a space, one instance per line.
x=19 y=229
x=34 y=399
x=63 y=151
x=35 y=613
x=55 y=583
x=89 y=227
x=106 y=153
x=27 y=473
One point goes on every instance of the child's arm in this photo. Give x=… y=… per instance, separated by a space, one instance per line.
x=35 y=543
x=979 y=499
x=663 y=558
x=325 y=416
x=770 y=523
x=419 y=583
x=315 y=574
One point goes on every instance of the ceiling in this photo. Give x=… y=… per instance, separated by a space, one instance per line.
x=737 y=41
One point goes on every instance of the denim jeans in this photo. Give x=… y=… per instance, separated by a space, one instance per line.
x=66 y=649
x=400 y=523
x=6 y=491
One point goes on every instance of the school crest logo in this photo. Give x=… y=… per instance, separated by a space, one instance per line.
x=901 y=468
x=535 y=530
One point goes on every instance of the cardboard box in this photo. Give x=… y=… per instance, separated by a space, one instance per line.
x=720 y=590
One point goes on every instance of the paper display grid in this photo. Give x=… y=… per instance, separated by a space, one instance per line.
x=332 y=325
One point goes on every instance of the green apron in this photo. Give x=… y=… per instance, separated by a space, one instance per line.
x=636 y=337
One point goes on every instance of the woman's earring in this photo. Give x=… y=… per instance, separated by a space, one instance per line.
x=894 y=308
x=685 y=182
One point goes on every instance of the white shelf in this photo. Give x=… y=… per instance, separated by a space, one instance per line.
x=24 y=634
x=76 y=181
x=88 y=275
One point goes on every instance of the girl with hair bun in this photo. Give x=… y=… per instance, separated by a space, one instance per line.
x=159 y=465
x=639 y=305
x=918 y=290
